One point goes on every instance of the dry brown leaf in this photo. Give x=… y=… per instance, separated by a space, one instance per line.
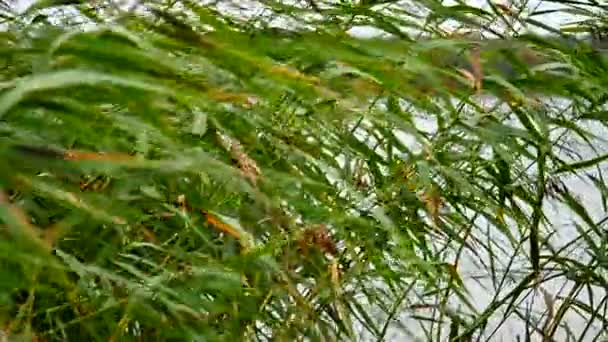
x=504 y=8
x=242 y=99
x=335 y=274
x=21 y=217
x=249 y=168
x=96 y=156
x=220 y=225
x=294 y=74
x=477 y=70
x=317 y=236
x=434 y=202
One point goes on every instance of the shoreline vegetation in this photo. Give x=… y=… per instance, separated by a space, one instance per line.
x=187 y=175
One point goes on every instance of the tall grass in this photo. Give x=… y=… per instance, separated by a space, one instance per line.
x=174 y=170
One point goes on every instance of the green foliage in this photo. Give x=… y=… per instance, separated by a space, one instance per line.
x=175 y=172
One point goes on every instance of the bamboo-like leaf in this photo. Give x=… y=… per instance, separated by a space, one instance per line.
x=257 y=171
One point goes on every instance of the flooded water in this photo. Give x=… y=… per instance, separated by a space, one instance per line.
x=512 y=262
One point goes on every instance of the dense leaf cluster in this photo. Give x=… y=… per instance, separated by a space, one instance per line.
x=176 y=171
